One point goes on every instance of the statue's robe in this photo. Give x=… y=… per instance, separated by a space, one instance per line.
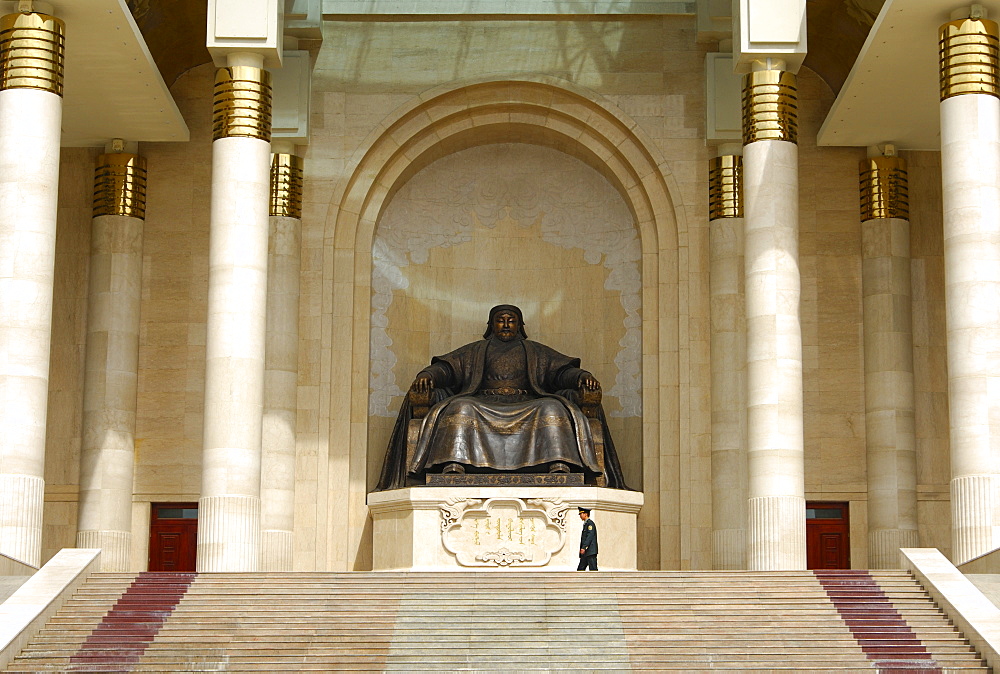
x=501 y=432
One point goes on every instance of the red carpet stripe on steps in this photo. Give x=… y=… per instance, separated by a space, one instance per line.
x=879 y=629
x=132 y=623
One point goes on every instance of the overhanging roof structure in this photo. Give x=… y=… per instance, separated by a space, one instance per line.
x=892 y=94
x=113 y=88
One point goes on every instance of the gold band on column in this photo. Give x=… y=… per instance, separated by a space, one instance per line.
x=120 y=185
x=884 y=188
x=725 y=187
x=968 y=50
x=242 y=105
x=286 y=185
x=770 y=106
x=31 y=52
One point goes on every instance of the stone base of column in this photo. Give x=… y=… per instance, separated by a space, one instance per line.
x=116 y=547
x=777 y=533
x=229 y=533
x=729 y=549
x=22 y=498
x=276 y=550
x=974 y=520
x=884 y=545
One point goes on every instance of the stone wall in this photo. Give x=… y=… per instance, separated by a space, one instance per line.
x=63 y=436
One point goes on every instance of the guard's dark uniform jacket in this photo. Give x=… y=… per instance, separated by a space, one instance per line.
x=588 y=543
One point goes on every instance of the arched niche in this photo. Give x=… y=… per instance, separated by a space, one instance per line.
x=546 y=112
x=508 y=223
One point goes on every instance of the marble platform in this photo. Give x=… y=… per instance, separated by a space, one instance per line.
x=483 y=528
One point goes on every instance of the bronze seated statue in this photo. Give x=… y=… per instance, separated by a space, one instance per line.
x=499 y=405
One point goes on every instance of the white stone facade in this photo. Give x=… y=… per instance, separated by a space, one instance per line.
x=442 y=154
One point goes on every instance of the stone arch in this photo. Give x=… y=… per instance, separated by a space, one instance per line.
x=543 y=111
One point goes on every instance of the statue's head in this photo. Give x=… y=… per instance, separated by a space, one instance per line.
x=506 y=322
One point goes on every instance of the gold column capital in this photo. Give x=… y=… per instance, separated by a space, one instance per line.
x=968 y=51
x=770 y=106
x=884 y=188
x=286 y=185
x=242 y=103
x=32 y=48
x=725 y=187
x=120 y=185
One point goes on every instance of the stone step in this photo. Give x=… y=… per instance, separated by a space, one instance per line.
x=522 y=668
x=649 y=621
x=375 y=663
x=454 y=654
x=792 y=595
x=359 y=633
x=534 y=589
x=733 y=646
x=417 y=660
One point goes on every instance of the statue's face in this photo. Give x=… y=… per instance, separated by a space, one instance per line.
x=506 y=325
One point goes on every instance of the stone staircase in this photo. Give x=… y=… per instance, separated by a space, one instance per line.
x=494 y=621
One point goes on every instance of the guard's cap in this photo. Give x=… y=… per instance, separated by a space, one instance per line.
x=584 y=510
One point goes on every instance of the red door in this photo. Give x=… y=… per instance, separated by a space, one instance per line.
x=173 y=537
x=828 y=543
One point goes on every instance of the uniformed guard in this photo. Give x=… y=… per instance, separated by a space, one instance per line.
x=588 y=542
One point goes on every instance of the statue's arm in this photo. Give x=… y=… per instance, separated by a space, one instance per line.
x=586 y=389
x=435 y=375
x=561 y=372
x=576 y=378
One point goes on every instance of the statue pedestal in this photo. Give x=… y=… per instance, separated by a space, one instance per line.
x=483 y=528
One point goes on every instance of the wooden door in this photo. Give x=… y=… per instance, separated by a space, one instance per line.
x=828 y=543
x=173 y=537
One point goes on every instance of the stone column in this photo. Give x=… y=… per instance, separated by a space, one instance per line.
x=729 y=458
x=970 y=173
x=111 y=371
x=777 y=526
x=889 y=400
x=281 y=367
x=229 y=508
x=31 y=84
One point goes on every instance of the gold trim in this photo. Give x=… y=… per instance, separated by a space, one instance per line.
x=120 y=185
x=725 y=187
x=884 y=188
x=286 y=185
x=242 y=103
x=968 y=51
x=770 y=106
x=504 y=391
x=32 y=48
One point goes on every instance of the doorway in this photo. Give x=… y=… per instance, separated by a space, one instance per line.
x=173 y=537
x=828 y=543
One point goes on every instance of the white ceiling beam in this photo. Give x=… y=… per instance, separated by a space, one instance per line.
x=892 y=93
x=113 y=89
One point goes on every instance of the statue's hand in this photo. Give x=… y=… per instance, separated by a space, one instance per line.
x=422 y=384
x=589 y=383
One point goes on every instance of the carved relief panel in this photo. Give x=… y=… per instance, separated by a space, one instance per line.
x=503 y=532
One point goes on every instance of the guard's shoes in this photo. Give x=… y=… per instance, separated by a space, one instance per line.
x=453 y=469
x=558 y=467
